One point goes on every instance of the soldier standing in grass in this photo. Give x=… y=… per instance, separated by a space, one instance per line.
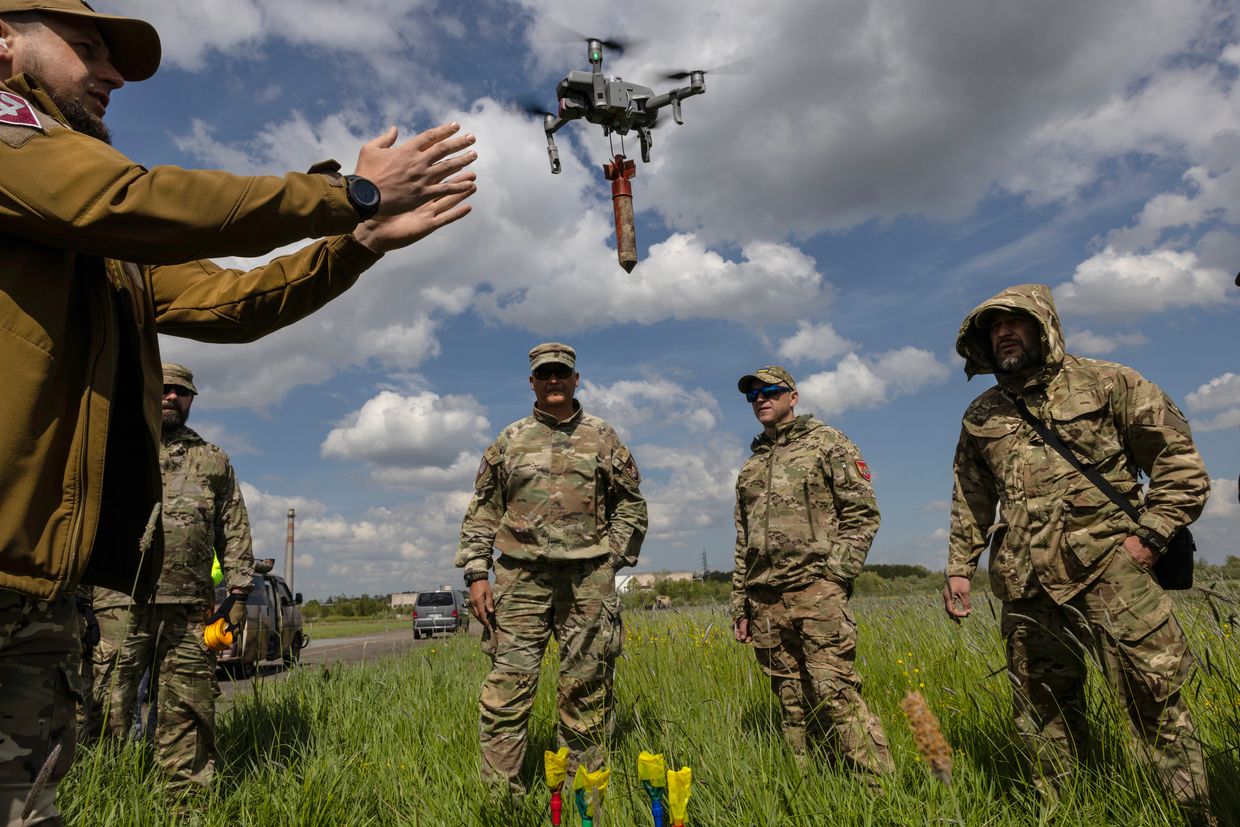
x=557 y=494
x=1072 y=569
x=805 y=519
x=203 y=514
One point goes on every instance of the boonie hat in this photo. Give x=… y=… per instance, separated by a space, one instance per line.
x=133 y=44
x=549 y=353
x=175 y=374
x=769 y=375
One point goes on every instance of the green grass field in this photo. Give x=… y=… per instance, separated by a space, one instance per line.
x=396 y=743
x=324 y=629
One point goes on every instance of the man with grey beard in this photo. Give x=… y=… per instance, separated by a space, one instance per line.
x=1072 y=568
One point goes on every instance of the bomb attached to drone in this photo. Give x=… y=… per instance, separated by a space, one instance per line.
x=620 y=108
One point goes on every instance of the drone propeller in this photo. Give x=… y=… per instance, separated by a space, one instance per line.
x=533 y=108
x=736 y=67
x=564 y=34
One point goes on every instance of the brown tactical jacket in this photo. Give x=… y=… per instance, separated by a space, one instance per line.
x=96 y=255
x=1056 y=530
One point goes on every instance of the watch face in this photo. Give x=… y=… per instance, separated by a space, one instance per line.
x=366 y=193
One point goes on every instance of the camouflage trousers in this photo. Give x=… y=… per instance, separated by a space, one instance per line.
x=167 y=639
x=1124 y=621
x=40 y=650
x=575 y=601
x=806 y=642
x=97 y=672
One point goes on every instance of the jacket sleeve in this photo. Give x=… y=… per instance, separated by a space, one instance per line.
x=856 y=508
x=627 y=518
x=482 y=517
x=200 y=300
x=70 y=191
x=232 y=534
x=740 y=601
x=1160 y=442
x=974 y=499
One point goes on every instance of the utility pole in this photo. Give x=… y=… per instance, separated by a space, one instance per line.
x=288 y=550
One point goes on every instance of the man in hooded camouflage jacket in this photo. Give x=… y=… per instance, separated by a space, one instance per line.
x=805 y=519
x=1072 y=569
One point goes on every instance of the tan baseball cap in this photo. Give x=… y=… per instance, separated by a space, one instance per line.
x=175 y=374
x=553 y=353
x=133 y=44
x=769 y=375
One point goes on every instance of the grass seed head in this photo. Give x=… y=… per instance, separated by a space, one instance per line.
x=928 y=737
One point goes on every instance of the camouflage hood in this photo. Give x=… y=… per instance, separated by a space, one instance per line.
x=973 y=341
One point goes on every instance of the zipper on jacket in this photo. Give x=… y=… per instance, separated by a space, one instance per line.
x=75 y=524
x=809 y=512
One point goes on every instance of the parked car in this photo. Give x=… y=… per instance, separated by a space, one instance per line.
x=273 y=624
x=441 y=611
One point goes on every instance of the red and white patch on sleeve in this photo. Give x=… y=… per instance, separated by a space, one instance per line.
x=863 y=469
x=17 y=111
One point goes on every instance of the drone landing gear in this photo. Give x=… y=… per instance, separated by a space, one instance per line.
x=618 y=171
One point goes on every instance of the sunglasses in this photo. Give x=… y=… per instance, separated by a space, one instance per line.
x=768 y=392
x=544 y=372
x=180 y=391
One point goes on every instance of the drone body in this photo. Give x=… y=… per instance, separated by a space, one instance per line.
x=616 y=105
x=619 y=107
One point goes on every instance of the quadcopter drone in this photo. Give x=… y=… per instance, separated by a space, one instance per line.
x=616 y=105
x=619 y=107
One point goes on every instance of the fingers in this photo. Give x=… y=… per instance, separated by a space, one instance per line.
x=384 y=140
x=425 y=140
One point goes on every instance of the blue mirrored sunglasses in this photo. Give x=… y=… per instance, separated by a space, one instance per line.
x=768 y=392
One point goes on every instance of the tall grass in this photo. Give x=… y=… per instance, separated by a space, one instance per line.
x=396 y=743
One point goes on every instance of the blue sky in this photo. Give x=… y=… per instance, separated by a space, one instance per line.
x=885 y=166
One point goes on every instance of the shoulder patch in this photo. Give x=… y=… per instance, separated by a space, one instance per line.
x=630 y=468
x=863 y=469
x=482 y=469
x=17 y=111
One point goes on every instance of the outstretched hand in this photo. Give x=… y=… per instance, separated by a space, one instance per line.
x=384 y=233
x=423 y=168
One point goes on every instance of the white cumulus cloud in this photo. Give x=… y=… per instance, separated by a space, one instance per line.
x=1219 y=401
x=1098 y=344
x=1114 y=283
x=630 y=404
x=868 y=382
x=814 y=343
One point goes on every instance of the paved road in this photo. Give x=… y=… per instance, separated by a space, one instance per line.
x=330 y=650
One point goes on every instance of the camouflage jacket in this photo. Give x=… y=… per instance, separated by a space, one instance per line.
x=1055 y=530
x=203 y=515
x=551 y=490
x=805 y=509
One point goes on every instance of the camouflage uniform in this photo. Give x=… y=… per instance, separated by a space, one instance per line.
x=203 y=510
x=805 y=519
x=560 y=501
x=1057 y=561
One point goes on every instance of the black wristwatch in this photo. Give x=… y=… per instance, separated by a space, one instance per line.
x=363 y=195
x=1151 y=539
x=472 y=577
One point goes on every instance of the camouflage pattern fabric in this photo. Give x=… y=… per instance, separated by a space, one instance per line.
x=1057 y=529
x=551 y=490
x=805 y=510
x=40 y=650
x=576 y=601
x=1124 y=621
x=98 y=671
x=1058 y=540
x=204 y=515
x=806 y=641
x=167 y=639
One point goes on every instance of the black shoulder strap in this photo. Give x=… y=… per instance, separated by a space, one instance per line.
x=1052 y=439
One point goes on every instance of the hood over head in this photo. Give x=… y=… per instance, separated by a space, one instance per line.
x=973 y=340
